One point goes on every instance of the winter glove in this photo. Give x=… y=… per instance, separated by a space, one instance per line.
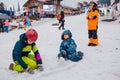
x=63 y=54
x=59 y=55
x=40 y=67
x=30 y=71
x=90 y=17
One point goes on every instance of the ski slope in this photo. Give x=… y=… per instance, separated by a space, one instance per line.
x=99 y=63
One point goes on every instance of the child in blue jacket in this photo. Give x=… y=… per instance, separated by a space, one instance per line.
x=68 y=48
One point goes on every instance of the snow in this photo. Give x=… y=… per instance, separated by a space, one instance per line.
x=98 y=63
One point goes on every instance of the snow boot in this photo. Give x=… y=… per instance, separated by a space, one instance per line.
x=59 y=28
x=11 y=66
x=95 y=42
x=63 y=28
x=90 y=44
x=80 y=53
x=90 y=41
x=76 y=56
x=94 y=45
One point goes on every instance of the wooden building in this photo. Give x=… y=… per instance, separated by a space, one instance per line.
x=69 y=10
x=37 y=5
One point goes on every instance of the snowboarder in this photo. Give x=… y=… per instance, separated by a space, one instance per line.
x=68 y=48
x=23 y=60
x=92 y=17
x=61 y=19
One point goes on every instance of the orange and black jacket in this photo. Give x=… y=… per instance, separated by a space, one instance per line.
x=92 y=23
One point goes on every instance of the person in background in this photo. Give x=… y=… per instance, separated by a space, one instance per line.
x=24 y=23
x=28 y=24
x=6 y=25
x=61 y=20
x=42 y=13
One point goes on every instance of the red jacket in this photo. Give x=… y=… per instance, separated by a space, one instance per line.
x=6 y=23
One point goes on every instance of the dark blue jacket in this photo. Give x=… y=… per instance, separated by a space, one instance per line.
x=70 y=46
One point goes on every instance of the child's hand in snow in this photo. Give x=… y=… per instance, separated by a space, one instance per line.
x=40 y=67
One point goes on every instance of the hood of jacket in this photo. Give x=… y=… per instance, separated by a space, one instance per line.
x=66 y=32
x=23 y=37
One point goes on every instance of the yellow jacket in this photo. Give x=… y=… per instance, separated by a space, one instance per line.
x=92 y=17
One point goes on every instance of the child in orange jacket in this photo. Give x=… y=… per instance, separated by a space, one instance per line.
x=92 y=17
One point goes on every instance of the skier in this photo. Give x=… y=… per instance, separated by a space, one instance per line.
x=68 y=48
x=61 y=20
x=92 y=17
x=23 y=60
